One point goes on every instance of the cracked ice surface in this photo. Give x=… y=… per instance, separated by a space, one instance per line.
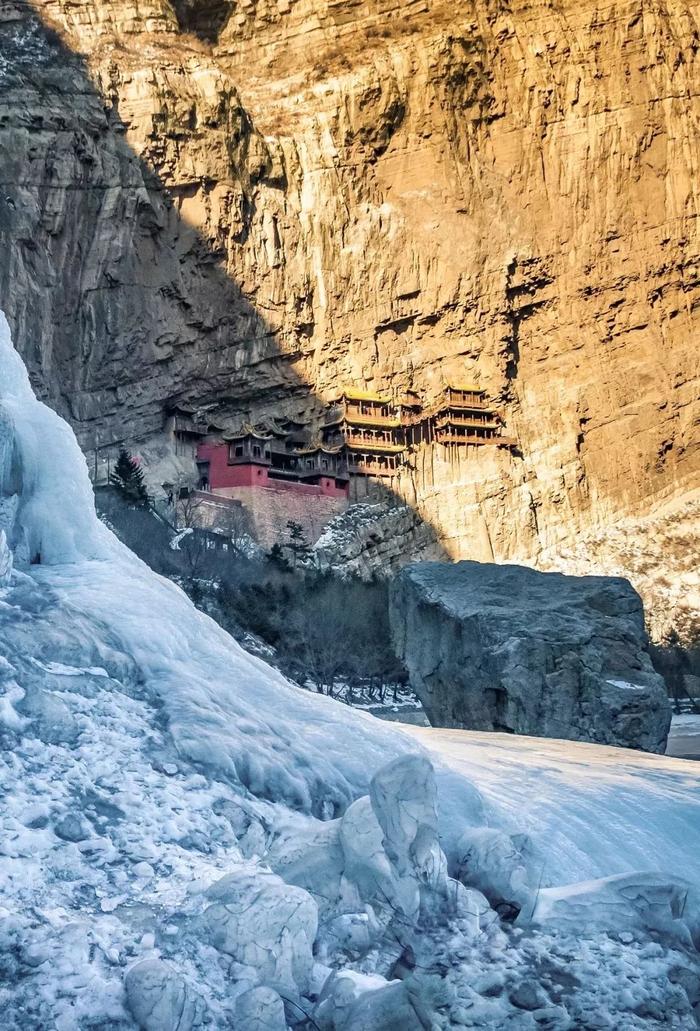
x=187 y=840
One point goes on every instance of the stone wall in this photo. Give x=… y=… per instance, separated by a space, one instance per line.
x=272 y=507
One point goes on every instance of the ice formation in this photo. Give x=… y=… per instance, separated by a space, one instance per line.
x=187 y=840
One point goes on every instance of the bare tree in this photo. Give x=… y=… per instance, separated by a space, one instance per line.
x=193 y=541
x=188 y=509
x=338 y=629
x=233 y=521
x=318 y=626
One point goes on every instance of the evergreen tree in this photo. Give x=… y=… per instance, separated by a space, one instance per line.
x=277 y=555
x=127 y=478
x=297 y=544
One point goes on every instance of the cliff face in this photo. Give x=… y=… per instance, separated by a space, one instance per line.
x=249 y=204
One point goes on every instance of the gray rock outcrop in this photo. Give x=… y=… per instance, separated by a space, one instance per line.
x=370 y=540
x=492 y=647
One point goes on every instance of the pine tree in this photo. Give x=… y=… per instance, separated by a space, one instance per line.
x=298 y=543
x=127 y=478
x=277 y=555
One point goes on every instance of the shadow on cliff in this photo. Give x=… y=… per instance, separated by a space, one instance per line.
x=103 y=278
x=119 y=306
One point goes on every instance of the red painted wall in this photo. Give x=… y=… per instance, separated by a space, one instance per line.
x=271 y=508
x=222 y=475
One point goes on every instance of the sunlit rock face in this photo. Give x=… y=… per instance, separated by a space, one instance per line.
x=249 y=205
x=511 y=649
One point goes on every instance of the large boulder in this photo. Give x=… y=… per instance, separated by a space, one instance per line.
x=491 y=647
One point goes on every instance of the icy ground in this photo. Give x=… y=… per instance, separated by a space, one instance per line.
x=684 y=737
x=584 y=801
x=187 y=840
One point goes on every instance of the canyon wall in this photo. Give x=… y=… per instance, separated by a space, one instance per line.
x=249 y=204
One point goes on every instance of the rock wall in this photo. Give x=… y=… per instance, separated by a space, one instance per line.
x=658 y=554
x=370 y=539
x=511 y=649
x=271 y=508
x=246 y=205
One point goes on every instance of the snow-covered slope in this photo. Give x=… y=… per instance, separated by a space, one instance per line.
x=596 y=810
x=188 y=840
x=223 y=705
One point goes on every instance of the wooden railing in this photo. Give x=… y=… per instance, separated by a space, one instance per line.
x=371 y=469
x=444 y=437
x=478 y=404
x=374 y=443
x=462 y=420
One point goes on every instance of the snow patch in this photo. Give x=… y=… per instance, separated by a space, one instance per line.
x=623 y=685
x=179 y=538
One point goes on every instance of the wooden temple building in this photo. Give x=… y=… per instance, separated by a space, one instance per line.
x=271 y=455
x=363 y=434
x=369 y=428
x=277 y=474
x=462 y=417
x=291 y=470
x=185 y=428
x=377 y=433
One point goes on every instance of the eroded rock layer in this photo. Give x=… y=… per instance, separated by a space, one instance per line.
x=247 y=205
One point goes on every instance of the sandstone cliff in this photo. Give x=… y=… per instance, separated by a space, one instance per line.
x=248 y=204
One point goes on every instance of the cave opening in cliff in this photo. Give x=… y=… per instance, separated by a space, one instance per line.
x=204 y=18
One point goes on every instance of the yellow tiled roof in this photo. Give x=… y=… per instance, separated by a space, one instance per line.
x=467 y=388
x=364 y=395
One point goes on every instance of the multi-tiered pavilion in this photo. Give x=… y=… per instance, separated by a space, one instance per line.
x=370 y=429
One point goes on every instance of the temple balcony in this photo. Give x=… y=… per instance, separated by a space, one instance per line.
x=457 y=419
x=360 y=443
x=372 y=419
x=185 y=425
x=476 y=404
x=448 y=437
